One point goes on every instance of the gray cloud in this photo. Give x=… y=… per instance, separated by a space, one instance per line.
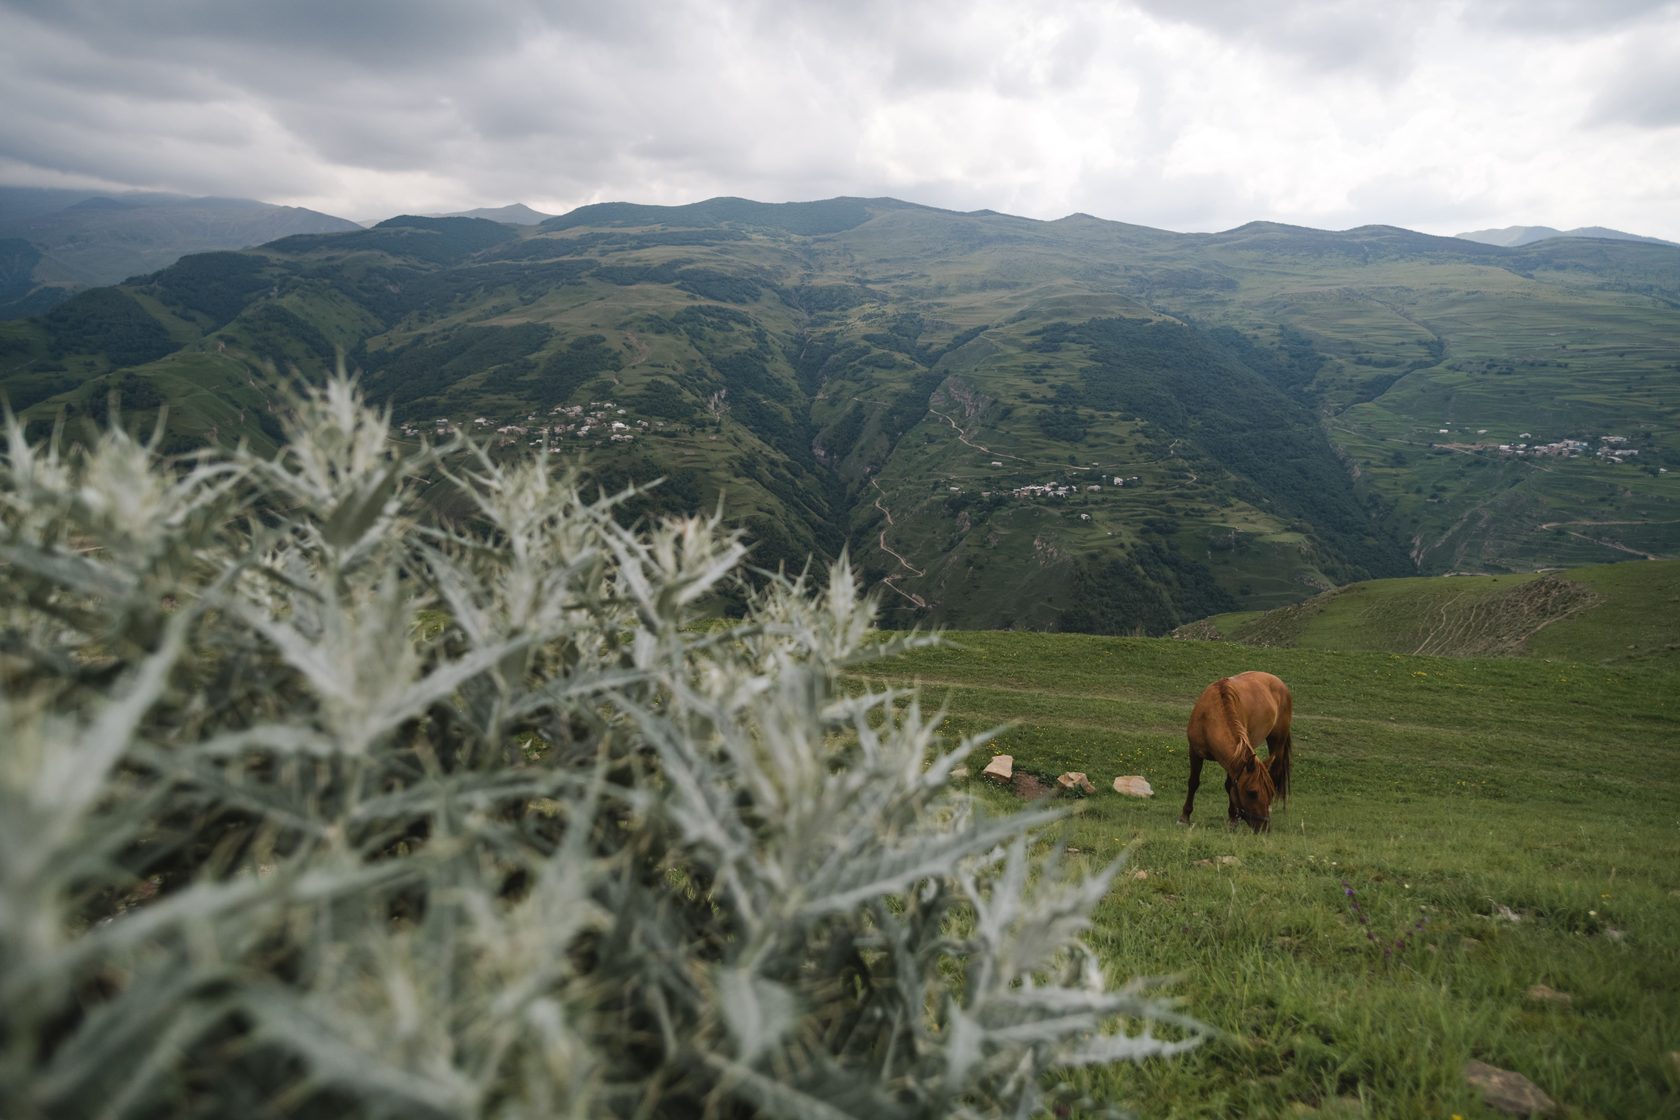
x=1565 y=17
x=1322 y=36
x=1644 y=91
x=1180 y=113
x=369 y=34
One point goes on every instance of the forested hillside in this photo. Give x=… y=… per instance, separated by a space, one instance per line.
x=1076 y=424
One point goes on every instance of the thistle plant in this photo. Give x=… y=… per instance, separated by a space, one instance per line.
x=314 y=802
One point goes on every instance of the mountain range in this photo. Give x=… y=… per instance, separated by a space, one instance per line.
x=1512 y=236
x=1077 y=424
x=54 y=242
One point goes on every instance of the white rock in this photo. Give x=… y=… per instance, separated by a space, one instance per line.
x=1076 y=780
x=1001 y=767
x=1133 y=785
x=1507 y=1091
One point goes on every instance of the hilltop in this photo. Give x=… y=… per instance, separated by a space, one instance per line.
x=1077 y=424
x=1601 y=613
x=516 y=214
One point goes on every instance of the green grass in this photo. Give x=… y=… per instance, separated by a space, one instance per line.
x=1638 y=617
x=1453 y=790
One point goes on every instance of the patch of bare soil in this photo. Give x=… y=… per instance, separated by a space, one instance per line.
x=1503 y=624
x=1199 y=631
x=1030 y=787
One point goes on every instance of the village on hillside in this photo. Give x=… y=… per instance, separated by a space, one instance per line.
x=578 y=421
x=1061 y=489
x=1610 y=449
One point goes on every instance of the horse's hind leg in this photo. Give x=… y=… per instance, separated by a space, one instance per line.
x=1277 y=761
x=1196 y=761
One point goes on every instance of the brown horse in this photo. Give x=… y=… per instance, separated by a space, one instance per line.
x=1230 y=716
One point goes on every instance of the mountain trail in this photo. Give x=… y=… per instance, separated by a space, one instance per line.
x=1600 y=541
x=977 y=446
x=892 y=580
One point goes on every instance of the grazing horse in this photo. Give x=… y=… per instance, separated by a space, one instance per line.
x=1231 y=715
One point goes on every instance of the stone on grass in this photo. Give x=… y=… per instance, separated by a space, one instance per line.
x=1506 y=1091
x=1540 y=993
x=1001 y=767
x=1133 y=785
x=1075 y=780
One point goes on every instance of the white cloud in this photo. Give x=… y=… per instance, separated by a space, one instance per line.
x=1187 y=114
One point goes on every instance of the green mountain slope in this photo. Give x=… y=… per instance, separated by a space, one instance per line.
x=1076 y=424
x=1600 y=613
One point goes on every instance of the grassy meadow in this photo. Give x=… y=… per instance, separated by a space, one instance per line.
x=1525 y=811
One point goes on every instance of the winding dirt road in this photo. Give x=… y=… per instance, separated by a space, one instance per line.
x=891 y=581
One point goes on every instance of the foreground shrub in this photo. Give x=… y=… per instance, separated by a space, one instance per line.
x=311 y=804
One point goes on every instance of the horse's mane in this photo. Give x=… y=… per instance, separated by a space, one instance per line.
x=1233 y=722
x=1239 y=731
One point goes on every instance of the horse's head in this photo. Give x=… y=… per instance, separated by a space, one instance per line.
x=1252 y=792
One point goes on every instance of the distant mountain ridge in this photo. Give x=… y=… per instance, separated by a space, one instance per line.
x=1510 y=237
x=1072 y=424
x=514 y=214
x=77 y=239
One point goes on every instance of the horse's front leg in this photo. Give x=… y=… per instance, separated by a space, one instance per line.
x=1196 y=761
x=1231 y=817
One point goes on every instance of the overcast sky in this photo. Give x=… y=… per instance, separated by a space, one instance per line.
x=1183 y=114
